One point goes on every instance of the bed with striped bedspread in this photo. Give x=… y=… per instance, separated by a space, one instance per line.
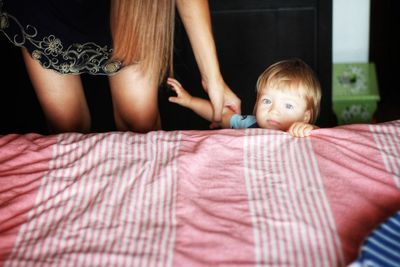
x=249 y=197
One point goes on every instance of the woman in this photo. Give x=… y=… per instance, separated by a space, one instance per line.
x=63 y=38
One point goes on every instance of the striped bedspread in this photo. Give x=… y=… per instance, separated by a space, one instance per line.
x=249 y=197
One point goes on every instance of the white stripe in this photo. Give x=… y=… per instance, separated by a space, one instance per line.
x=64 y=196
x=115 y=189
x=138 y=191
x=112 y=235
x=393 y=242
x=385 y=145
x=389 y=229
x=302 y=203
x=271 y=198
x=292 y=192
x=155 y=197
x=394 y=221
x=79 y=168
x=288 y=212
x=390 y=149
x=324 y=214
x=381 y=257
x=264 y=210
x=95 y=238
x=309 y=185
x=82 y=166
x=174 y=179
x=130 y=205
x=45 y=246
x=396 y=149
x=140 y=231
x=321 y=225
x=164 y=201
x=147 y=228
x=249 y=177
x=334 y=244
x=93 y=185
x=386 y=248
x=45 y=217
x=374 y=129
x=87 y=144
x=81 y=196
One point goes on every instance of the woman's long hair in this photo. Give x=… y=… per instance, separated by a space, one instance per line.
x=143 y=33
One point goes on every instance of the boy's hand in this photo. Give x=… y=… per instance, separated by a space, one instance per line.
x=301 y=129
x=183 y=98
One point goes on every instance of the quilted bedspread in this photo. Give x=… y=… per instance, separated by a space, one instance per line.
x=251 y=197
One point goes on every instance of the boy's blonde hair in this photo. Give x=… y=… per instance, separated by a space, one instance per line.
x=293 y=74
x=143 y=32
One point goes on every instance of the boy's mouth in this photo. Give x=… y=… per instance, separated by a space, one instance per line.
x=273 y=123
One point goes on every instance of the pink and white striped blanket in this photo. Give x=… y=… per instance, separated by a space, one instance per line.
x=196 y=198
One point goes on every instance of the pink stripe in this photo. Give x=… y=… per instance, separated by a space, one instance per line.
x=146 y=204
x=83 y=220
x=213 y=226
x=301 y=198
x=321 y=240
x=138 y=204
x=129 y=196
x=34 y=228
x=29 y=155
x=56 y=214
x=274 y=194
x=117 y=215
x=292 y=187
x=353 y=164
x=326 y=224
x=153 y=200
x=87 y=196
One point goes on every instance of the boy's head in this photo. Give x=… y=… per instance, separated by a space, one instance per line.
x=287 y=92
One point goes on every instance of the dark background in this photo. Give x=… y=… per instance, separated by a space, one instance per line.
x=250 y=35
x=385 y=52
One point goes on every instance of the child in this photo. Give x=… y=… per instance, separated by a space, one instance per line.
x=288 y=99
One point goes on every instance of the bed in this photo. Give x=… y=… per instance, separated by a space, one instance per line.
x=250 y=197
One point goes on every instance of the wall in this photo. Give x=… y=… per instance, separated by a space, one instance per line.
x=351 y=30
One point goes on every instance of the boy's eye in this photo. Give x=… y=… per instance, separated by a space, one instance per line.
x=289 y=106
x=266 y=101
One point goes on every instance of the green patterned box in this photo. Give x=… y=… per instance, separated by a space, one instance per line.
x=355 y=92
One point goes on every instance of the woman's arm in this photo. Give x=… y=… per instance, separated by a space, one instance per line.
x=200 y=106
x=195 y=15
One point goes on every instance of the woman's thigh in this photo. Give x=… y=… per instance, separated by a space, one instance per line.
x=134 y=96
x=61 y=97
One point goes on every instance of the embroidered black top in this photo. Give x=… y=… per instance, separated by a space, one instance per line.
x=69 y=36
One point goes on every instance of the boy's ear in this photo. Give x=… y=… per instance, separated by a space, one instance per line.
x=307 y=116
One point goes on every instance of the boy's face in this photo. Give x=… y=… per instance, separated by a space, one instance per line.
x=277 y=109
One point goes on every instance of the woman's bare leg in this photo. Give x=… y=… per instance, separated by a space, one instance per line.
x=135 y=97
x=61 y=97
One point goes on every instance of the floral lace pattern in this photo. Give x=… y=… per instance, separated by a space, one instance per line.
x=51 y=53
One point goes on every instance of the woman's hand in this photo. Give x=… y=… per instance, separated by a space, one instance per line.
x=195 y=15
x=221 y=96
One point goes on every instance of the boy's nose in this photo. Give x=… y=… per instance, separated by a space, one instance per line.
x=274 y=109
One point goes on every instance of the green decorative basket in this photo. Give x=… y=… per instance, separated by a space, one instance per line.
x=355 y=92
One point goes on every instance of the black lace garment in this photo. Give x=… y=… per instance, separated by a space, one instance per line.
x=68 y=36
